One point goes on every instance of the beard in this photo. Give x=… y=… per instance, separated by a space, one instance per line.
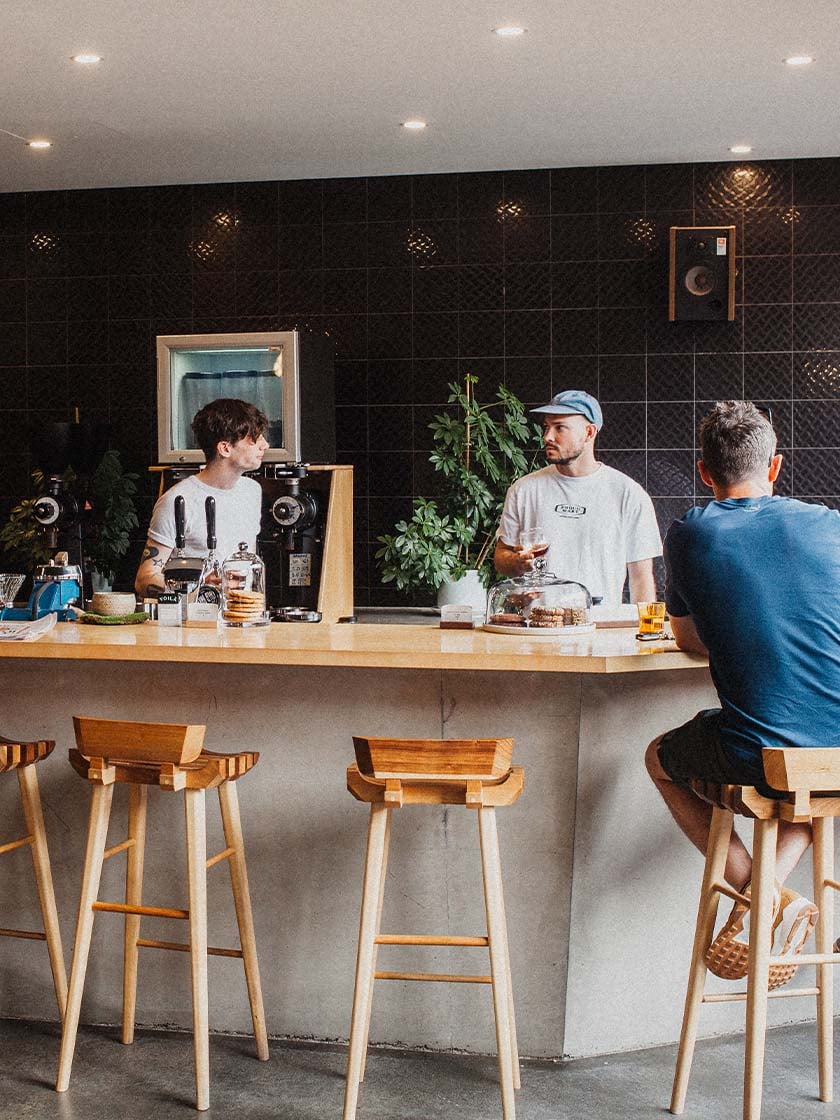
x=563 y=461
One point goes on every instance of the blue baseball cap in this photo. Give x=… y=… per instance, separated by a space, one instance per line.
x=574 y=401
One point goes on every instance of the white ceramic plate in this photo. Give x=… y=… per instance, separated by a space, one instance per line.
x=541 y=631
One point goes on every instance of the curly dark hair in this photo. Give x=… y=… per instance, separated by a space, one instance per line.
x=227 y=419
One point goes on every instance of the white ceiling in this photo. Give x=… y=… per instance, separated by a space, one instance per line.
x=215 y=90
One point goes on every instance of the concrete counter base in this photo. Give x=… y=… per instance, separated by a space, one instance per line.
x=600 y=889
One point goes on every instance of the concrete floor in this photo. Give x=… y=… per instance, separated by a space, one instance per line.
x=153 y=1079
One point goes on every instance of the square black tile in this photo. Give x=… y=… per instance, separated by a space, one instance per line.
x=624 y=236
x=670 y=473
x=128 y=298
x=719 y=377
x=574 y=332
x=90 y=389
x=527 y=238
x=816 y=375
x=170 y=207
x=348 y=332
x=481 y=288
x=816 y=471
x=390 y=382
x=743 y=183
x=816 y=326
x=389 y=198
x=299 y=291
x=434 y=196
x=388 y=244
x=527 y=333
x=47 y=344
x=816 y=279
x=351 y=428
x=767 y=231
x=46 y=210
x=384 y=513
x=45 y=299
x=728 y=337
x=768 y=376
x=256 y=248
x=214 y=295
x=87 y=343
x=817 y=229
x=46 y=387
x=87 y=298
x=256 y=293
x=345 y=291
x=13 y=301
x=527 y=285
x=670 y=424
x=432 y=378
x=432 y=242
x=622 y=283
x=527 y=192
x=299 y=202
x=670 y=377
x=621 y=378
x=816 y=182
x=574 y=190
x=46 y=254
x=345 y=200
x=624 y=426
x=480 y=195
x=816 y=424
x=663 y=336
x=621 y=188
x=87 y=211
x=12 y=256
x=423 y=419
x=389 y=336
x=481 y=333
x=129 y=341
x=351 y=382
x=391 y=428
x=212 y=250
x=435 y=289
x=574 y=284
x=572 y=372
x=300 y=247
x=128 y=208
x=529 y=378
x=574 y=237
x=12 y=213
x=669 y=186
x=480 y=241
x=163 y=294
x=389 y=289
x=767 y=279
x=621 y=331
x=166 y=250
x=391 y=473
x=631 y=463
x=214 y=204
x=128 y=252
x=256 y=204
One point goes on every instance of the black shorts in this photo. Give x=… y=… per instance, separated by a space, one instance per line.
x=694 y=750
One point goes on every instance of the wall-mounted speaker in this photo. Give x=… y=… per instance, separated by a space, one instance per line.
x=702 y=273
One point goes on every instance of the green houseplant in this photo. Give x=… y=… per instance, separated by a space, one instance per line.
x=480 y=449
x=112 y=492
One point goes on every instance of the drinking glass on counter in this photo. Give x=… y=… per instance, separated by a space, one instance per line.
x=651 y=619
x=535 y=541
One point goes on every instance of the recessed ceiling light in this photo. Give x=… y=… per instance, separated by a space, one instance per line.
x=799 y=60
x=39 y=143
x=86 y=59
x=740 y=149
x=508 y=31
x=414 y=125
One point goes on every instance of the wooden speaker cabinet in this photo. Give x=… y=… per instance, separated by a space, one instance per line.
x=702 y=273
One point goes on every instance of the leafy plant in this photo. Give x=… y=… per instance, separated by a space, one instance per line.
x=480 y=449
x=22 y=538
x=112 y=493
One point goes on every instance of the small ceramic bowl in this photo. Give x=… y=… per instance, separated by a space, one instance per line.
x=113 y=602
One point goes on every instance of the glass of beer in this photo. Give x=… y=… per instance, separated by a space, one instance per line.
x=651 y=619
x=535 y=541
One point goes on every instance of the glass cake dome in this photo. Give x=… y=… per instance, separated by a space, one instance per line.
x=540 y=602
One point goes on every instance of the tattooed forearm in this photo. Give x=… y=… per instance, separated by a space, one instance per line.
x=149 y=552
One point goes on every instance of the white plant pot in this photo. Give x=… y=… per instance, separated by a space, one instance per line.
x=467 y=590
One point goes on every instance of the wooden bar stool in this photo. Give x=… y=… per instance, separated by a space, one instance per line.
x=169 y=756
x=810 y=777
x=476 y=773
x=19 y=756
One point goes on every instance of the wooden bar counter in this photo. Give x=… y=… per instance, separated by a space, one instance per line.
x=601 y=889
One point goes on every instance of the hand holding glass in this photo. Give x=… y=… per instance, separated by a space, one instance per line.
x=535 y=542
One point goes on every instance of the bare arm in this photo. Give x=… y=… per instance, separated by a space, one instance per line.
x=642 y=584
x=149 y=579
x=686 y=635
x=512 y=561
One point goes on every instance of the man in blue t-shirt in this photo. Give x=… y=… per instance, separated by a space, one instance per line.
x=752 y=580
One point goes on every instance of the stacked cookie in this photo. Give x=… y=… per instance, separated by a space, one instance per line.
x=545 y=617
x=244 y=606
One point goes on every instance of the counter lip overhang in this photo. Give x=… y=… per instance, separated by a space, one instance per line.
x=355 y=646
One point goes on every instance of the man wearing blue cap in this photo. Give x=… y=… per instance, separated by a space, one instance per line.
x=598 y=523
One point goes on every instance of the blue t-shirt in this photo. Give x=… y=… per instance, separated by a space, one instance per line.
x=760 y=577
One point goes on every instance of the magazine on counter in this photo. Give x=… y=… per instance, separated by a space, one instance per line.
x=27 y=631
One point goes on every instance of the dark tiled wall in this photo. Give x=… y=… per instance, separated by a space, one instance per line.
x=541 y=279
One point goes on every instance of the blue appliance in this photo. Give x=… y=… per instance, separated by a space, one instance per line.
x=56 y=587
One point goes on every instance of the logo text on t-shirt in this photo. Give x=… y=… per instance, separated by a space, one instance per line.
x=570 y=511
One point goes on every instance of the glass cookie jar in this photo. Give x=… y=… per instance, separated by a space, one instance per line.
x=243 y=590
x=540 y=604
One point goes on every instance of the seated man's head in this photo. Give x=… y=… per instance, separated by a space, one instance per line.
x=738 y=445
x=226 y=422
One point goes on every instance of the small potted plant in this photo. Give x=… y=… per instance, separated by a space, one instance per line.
x=480 y=449
x=112 y=492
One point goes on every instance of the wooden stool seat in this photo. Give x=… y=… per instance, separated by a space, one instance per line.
x=21 y=756
x=392 y=773
x=171 y=757
x=807 y=781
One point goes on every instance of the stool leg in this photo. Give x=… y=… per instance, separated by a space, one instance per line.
x=379 y=815
x=385 y=844
x=232 y=824
x=34 y=816
x=197 y=879
x=514 y=1046
x=765 y=833
x=494 y=905
x=717 y=848
x=137 y=801
x=823 y=832
x=100 y=812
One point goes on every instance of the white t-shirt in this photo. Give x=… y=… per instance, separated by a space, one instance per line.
x=237 y=516
x=595 y=525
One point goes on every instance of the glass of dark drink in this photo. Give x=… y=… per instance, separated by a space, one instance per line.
x=535 y=541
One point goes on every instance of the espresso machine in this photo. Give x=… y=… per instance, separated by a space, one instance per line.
x=57 y=586
x=292 y=539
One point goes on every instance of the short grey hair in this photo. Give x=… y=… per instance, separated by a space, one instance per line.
x=737 y=442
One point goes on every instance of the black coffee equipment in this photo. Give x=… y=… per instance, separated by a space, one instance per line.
x=181 y=573
x=291 y=540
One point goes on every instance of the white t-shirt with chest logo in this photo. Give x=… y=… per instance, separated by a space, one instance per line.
x=595 y=525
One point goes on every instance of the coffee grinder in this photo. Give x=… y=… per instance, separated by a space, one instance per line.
x=291 y=541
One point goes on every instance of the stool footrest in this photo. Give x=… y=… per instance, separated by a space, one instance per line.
x=730 y=892
x=434 y=977
x=13 y=844
x=117 y=848
x=27 y=935
x=225 y=854
x=429 y=939
x=177 y=946
x=146 y=911
x=778 y=993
